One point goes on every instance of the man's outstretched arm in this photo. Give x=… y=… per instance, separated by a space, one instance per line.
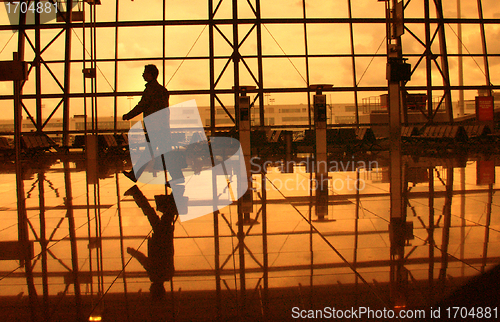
x=141 y=258
x=146 y=208
x=140 y=107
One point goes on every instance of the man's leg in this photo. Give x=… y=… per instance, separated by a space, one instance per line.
x=144 y=159
x=146 y=208
x=173 y=163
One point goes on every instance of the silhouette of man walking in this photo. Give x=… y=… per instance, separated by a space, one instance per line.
x=154 y=98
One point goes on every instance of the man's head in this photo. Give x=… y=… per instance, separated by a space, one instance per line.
x=150 y=73
x=157 y=291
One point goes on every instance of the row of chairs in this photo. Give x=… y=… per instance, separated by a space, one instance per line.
x=37 y=143
x=31 y=144
x=447 y=134
x=107 y=143
x=273 y=140
x=343 y=137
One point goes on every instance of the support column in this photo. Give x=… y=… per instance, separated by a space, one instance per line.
x=321 y=156
x=394 y=76
x=245 y=204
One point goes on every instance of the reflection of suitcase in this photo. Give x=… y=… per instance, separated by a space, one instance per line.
x=175 y=161
x=175 y=157
x=178 y=157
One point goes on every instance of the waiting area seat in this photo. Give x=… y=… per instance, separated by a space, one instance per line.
x=266 y=142
x=34 y=143
x=112 y=143
x=347 y=139
x=442 y=134
x=409 y=132
x=480 y=131
x=6 y=148
x=107 y=143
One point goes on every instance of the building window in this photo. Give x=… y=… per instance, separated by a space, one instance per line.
x=295 y=119
x=290 y=110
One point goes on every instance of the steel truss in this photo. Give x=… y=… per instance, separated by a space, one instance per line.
x=31 y=35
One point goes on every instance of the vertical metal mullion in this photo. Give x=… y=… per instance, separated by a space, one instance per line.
x=487 y=228
x=67 y=72
x=353 y=60
x=241 y=234
x=92 y=110
x=211 y=65
x=38 y=77
x=18 y=90
x=483 y=43
x=463 y=221
x=444 y=61
x=94 y=65
x=89 y=236
x=265 y=299
x=431 y=235
x=84 y=62
x=446 y=226
x=21 y=202
x=461 y=97
x=306 y=55
x=311 y=245
x=92 y=83
x=259 y=64
x=43 y=244
x=115 y=99
x=73 y=242
x=236 y=61
x=356 y=236
x=97 y=202
x=428 y=60
x=218 y=289
x=120 y=226
x=164 y=40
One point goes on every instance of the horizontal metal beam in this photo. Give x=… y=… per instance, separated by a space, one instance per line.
x=230 y=272
x=267 y=90
x=202 y=22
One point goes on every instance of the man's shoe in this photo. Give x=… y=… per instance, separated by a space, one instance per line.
x=134 y=191
x=130 y=175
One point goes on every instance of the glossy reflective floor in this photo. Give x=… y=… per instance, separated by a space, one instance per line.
x=298 y=247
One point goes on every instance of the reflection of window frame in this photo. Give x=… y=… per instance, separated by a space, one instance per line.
x=345 y=119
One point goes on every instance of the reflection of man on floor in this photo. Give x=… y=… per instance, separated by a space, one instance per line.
x=159 y=264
